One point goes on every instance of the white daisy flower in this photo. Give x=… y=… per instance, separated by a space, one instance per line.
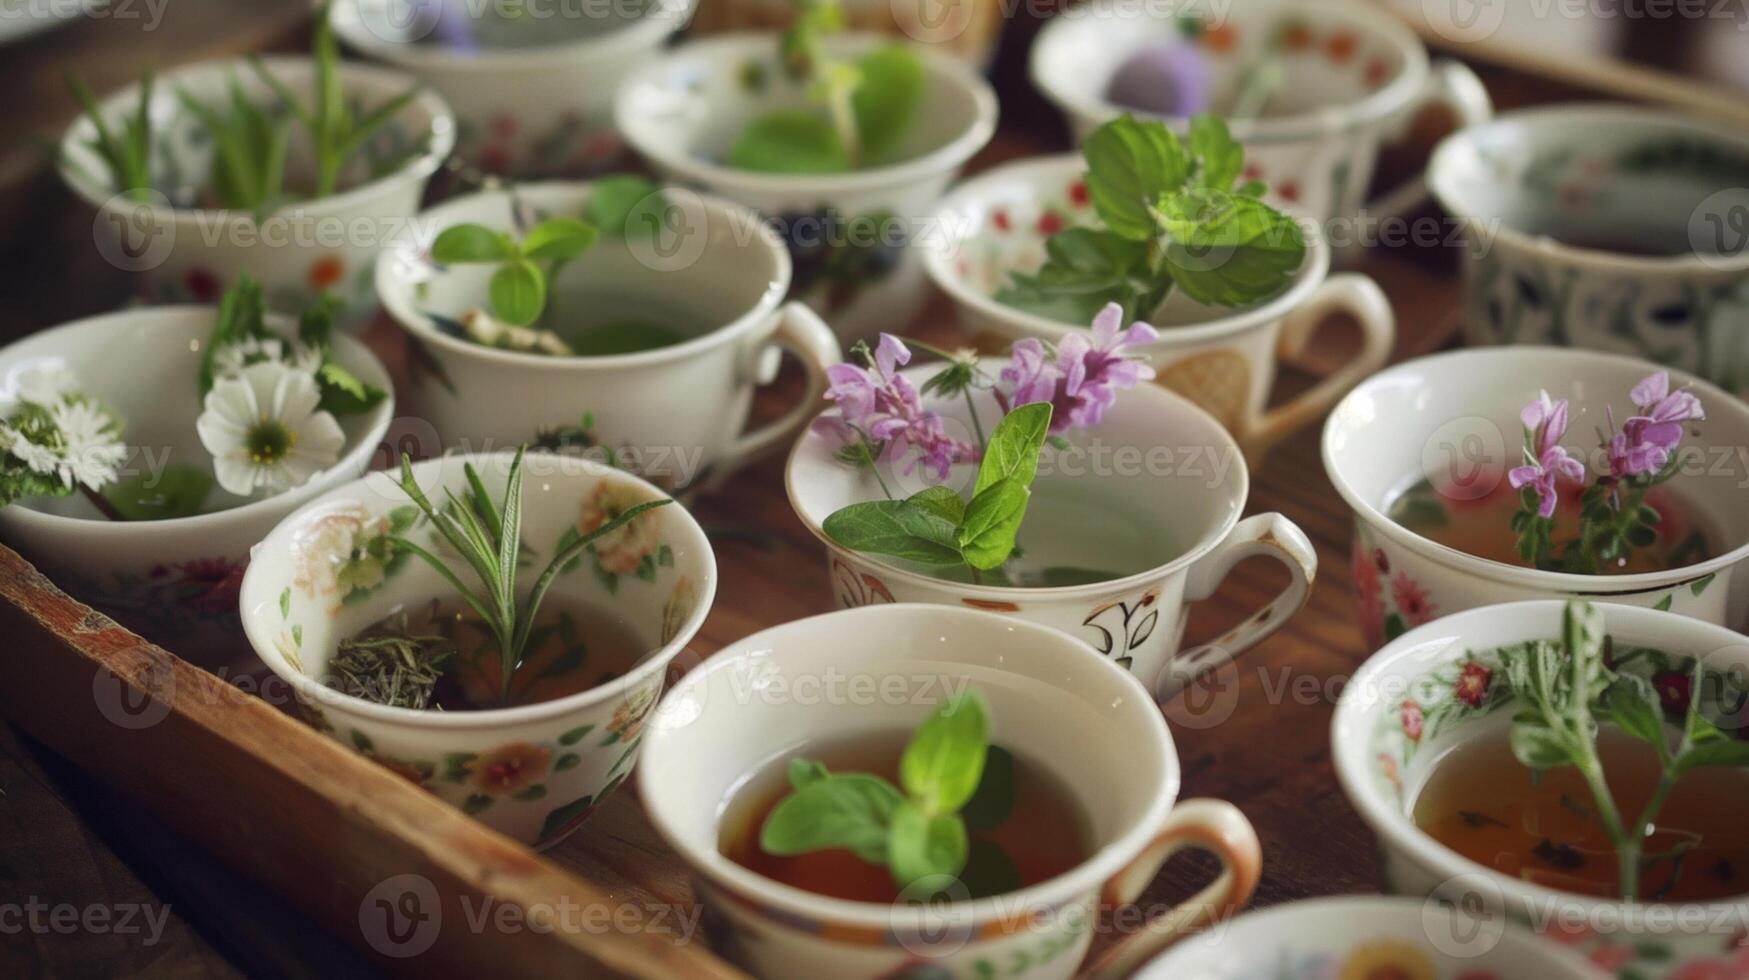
x=91 y=446
x=232 y=358
x=41 y=384
x=36 y=457
x=264 y=429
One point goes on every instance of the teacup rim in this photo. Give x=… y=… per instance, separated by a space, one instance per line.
x=1376 y=106
x=725 y=179
x=313 y=690
x=647 y=30
x=1099 y=866
x=1592 y=586
x=1443 y=163
x=413 y=322
x=355 y=458
x=442 y=133
x=1313 y=271
x=1361 y=698
x=1011 y=593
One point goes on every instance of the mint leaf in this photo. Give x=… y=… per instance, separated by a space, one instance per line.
x=472 y=243
x=558 y=238
x=993 y=800
x=1219 y=158
x=620 y=205
x=518 y=292
x=921 y=846
x=805 y=771
x=942 y=501
x=847 y=810
x=993 y=518
x=1130 y=164
x=790 y=141
x=897 y=528
x=178 y=491
x=886 y=102
x=944 y=760
x=1227 y=250
x=1014 y=447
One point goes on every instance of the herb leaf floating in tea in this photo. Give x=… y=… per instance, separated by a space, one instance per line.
x=1615 y=518
x=1172 y=218
x=861 y=109
x=489 y=540
x=916 y=829
x=1565 y=689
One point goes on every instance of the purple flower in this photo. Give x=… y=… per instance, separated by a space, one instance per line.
x=882 y=404
x=1545 y=422
x=1645 y=441
x=1083 y=382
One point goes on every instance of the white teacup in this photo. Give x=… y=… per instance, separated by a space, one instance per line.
x=1353 y=76
x=1077 y=717
x=533 y=95
x=1385 y=744
x=1153 y=496
x=673 y=414
x=683 y=112
x=535 y=771
x=187 y=253
x=1453 y=419
x=173 y=581
x=1222 y=359
x=1608 y=227
x=1366 y=936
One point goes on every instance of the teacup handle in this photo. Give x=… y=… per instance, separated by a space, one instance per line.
x=1264 y=534
x=1454 y=85
x=1346 y=292
x=799 y=330
x=1213 y=825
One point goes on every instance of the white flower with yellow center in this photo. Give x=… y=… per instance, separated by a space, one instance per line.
x=265 y=430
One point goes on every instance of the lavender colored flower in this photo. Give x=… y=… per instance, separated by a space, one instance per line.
x=1545 y=422
x=1083 y=381
x=1645 y=441
x=879 y=402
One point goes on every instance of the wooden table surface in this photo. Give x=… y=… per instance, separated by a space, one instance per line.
x=1256 y=735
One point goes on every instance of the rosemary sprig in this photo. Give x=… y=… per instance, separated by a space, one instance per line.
x=489 y=540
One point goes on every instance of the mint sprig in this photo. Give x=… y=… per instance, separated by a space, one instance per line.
x=1567 y=688
x=936 y=526
x=1172 y=218
x=917 y=829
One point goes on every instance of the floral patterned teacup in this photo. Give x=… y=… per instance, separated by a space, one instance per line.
x=532 y=89
x=1607 y=227
x=1224 y=360
x=1443 y=432
x=186 y=249
x=714 y=272
x=535 y=771
x=851 y=232
x=1151 y=498
x=172 y=581
x=1365 y=937
x=1076 y=716
x=1441 y=685
x=1352 y=76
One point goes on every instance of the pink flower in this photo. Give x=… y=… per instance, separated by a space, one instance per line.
x=1545 y=421
x=1472 y=684
x=1082 y=384
x=879 y=402
x=1412 y=719
x=1644 y=443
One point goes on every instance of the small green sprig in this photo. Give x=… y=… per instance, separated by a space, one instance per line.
x=336 y=129
x=869 y=102
x=936 y=526
x=1174 y=217
x=1566 y=688
x=243 y=316
x=488 y=538
x=918 y=829
x=128 y=154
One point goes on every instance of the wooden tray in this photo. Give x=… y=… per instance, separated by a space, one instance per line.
x=334 y=835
